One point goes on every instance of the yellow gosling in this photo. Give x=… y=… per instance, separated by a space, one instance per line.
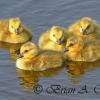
x=54 y=39
x=79 y=50
x=12 y=31
x=31 y=59
x=85 y=27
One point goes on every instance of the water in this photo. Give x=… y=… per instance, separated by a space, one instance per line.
x=39 y=15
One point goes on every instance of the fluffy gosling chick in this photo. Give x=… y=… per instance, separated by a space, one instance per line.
x=12 y=25
x=31 y=59
x=85 y=27
x=54 y=39
x=79 y=50
x=12 y=31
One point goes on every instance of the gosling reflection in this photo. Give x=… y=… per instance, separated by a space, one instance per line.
x=13 y=49
x=13 y=52
x=29 y=79
x=76 y=70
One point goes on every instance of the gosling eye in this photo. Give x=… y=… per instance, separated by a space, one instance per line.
x=53 y=35
x=71 y=44
x=12 y=27
x=88 y=26
x=19 y=26
x=25 y=51
x=60 y=39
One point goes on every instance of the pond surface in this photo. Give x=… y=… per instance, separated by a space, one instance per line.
x=76 y=81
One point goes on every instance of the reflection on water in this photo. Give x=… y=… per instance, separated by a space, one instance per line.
x=76 y=70
x=13 y=49
x=29 y=79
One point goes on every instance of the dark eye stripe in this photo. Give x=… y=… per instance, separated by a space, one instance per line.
x=53 y=35
x=26 y=51
x=88 y=27
x=71 y=45
x=20 y=26
x=12 y=26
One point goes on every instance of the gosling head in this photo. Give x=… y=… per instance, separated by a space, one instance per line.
x=86 y=26
x=57 y=34
x=28 y=51
x=15 y=25
x=74 y=45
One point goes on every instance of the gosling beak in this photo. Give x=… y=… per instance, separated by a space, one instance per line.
x=20 y=56
x=66 y=49
x=17 y=31
x=59 y=42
